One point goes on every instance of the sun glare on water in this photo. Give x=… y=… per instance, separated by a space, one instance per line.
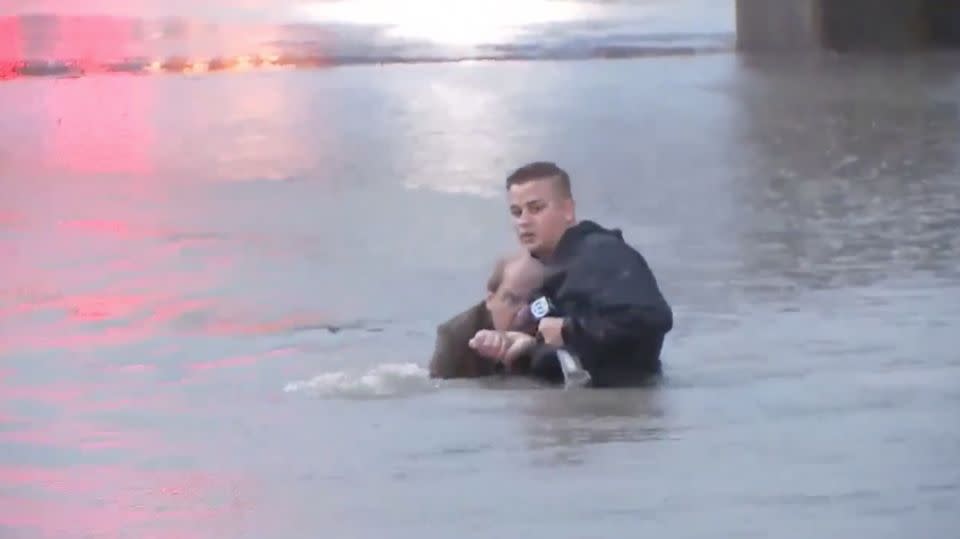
x=453 y=22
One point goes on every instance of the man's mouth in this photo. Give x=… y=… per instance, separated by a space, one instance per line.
x=527 y=236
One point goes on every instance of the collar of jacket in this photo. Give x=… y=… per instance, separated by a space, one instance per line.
x=483 y=318
x=574 y=236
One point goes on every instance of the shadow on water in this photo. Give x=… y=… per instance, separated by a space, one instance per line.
x=848 y=173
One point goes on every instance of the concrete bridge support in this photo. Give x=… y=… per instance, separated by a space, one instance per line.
x=847 y=25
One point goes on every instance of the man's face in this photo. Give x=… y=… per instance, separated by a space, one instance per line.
x=519 y=280
x=541 y=214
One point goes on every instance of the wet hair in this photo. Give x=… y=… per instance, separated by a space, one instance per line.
x=500 y=269
x=496 y=278
x=540 y=170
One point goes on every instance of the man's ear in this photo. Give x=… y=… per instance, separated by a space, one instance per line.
x=569 y=210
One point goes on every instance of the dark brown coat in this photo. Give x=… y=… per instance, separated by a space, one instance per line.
x=452 y=355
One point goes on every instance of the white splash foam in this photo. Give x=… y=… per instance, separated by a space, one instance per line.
x=383 y=381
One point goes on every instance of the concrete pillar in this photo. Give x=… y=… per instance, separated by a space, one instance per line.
x=865 y=25
x=847 y=25
x=764 y=25
x=945 y=22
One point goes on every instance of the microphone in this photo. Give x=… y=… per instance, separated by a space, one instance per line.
x=528 y=321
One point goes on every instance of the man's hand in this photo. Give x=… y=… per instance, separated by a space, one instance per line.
x=504 y=346
x=552 y=330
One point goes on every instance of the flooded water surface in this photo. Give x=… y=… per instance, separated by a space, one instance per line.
x=219 y=292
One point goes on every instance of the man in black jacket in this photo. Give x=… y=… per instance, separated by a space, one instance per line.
x=610 y=312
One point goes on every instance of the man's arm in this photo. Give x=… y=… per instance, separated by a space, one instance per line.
x=445 y=362
x=622 y=302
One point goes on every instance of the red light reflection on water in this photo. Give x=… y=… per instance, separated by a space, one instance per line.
x=124 y=501
x=105 y=227
x=143 y=302
x=105 y=126
x=76 y=399
x=11 y=46
x=79 y=435
x=71 y=338
x=239 y=361
x=93 y=321
x=5 y=417
x=60 y=394
x=92 y=308
x=84 y=415
x=10 y=218
x=148 y=294
x=100 y=125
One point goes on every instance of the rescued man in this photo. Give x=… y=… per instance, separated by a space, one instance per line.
x=610 y=312
x=508 y=291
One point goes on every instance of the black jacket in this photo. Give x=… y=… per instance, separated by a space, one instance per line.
x=617 y=317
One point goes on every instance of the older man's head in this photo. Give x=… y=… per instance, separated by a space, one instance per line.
x=509 y=288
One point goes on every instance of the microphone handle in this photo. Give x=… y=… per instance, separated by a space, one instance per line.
x=574 y=375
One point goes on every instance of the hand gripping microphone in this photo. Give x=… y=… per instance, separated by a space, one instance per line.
x=528 y=320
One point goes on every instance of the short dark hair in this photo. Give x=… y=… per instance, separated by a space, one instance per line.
x=539 y=170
